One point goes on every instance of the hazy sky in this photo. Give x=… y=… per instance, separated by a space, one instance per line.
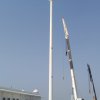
x=24 y=45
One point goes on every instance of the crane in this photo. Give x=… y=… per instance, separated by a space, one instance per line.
x=68 y=52
x=91 y=80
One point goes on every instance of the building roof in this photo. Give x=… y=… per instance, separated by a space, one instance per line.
x=12 y=90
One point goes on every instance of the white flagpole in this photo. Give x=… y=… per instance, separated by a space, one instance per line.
x=50 y=57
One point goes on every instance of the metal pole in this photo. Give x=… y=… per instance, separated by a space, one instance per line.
x=50 y=57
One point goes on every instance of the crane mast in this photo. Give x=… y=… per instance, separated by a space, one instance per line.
x=68 y=52
x=91 y=80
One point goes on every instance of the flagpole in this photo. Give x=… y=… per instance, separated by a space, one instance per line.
x=50 y=57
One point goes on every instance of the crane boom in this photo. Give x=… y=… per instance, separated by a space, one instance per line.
x=91 y=79
x=74 y=87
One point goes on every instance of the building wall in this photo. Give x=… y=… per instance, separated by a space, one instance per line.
x=16 y=96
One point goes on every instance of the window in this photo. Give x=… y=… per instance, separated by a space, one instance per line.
x=13 y=99
x=4 y=98
x=8 y=99
x=17 y=99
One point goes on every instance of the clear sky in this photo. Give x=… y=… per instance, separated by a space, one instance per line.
x=24 y=45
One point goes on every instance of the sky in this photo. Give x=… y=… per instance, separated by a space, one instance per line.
x=24 y=45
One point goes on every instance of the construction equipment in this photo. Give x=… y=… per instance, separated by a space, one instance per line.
x=68 y=52
x=91 y=80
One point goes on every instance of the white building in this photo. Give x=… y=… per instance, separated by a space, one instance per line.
x=14 y=94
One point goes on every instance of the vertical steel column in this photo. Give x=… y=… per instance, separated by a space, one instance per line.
x=50 y=57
